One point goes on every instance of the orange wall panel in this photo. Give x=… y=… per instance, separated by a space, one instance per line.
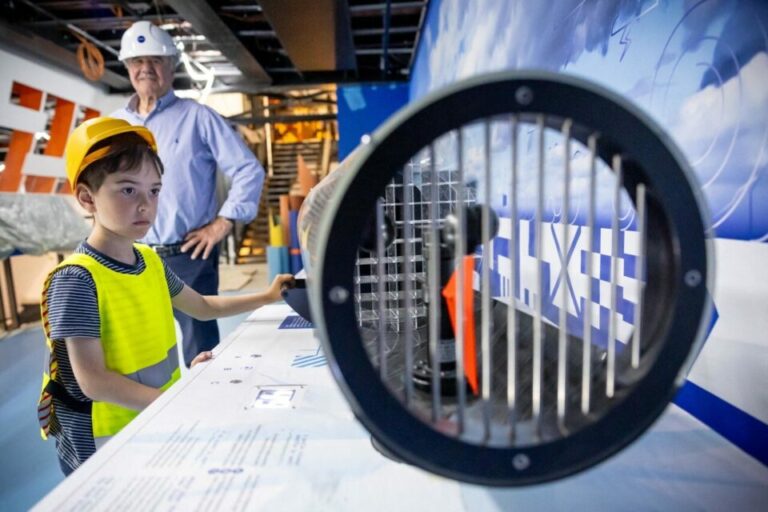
x=20 y=142
x=89 y=114
x=60 y=124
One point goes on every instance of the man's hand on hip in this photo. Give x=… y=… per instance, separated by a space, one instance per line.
x=204 y=239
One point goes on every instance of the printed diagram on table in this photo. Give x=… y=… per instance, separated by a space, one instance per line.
x=314 y=359
x=282 y=396
x=295 y=322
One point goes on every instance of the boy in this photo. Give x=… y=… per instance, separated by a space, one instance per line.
x=107 y=309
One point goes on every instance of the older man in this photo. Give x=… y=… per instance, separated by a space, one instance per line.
x=193 y=141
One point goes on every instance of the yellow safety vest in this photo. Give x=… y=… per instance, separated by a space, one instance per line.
x=137 y=335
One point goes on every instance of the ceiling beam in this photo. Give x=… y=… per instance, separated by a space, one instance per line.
x=206 y=22
x=380 y=51
x=380 y=31
x=106 y=23
x=376 y=9
x=316 y=34
x=288 y=118
x=46 y=51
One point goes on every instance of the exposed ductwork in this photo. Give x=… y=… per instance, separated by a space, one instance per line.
x=316 y=34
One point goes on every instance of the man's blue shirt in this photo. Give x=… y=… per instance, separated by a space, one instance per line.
x=193 y=141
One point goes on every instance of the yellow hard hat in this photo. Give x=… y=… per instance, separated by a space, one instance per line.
x=90 y=133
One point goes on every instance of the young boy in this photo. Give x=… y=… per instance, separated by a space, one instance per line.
x=107 y=309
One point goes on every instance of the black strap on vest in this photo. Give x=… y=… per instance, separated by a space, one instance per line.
x=60 y=393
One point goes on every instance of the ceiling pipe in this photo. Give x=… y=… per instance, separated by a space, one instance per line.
x=251 y=119
x=384 y=64
x=71 y=27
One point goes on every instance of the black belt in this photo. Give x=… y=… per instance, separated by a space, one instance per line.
x=167 y=250
x=60 y=392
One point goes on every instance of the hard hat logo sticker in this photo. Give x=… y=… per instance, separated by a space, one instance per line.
x=142 y=39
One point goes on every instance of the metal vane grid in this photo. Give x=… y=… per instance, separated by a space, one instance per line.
x=380 y=282
x=557 y=279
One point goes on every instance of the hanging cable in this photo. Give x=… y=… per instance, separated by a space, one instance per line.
x=90 y=59
x=199 y=73
x=159 y=13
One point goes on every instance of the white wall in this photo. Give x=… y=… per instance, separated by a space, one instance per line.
x=51 y=81
x=62 y=84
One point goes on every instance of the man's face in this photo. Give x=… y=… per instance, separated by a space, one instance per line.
x=150 y=76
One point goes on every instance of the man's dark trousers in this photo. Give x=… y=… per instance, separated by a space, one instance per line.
x=203 y=276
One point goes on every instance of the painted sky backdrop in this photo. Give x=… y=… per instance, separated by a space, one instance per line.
x=700 y=68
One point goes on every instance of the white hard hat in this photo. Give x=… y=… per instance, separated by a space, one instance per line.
x=143 y=39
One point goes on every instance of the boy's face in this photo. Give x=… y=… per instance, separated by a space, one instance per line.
x=126 y=203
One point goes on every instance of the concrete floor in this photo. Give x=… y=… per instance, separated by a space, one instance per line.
x=28 y=466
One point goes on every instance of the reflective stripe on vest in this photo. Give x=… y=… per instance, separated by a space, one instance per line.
x=137 y=333
x=157 y=375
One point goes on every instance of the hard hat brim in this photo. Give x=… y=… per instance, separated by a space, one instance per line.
x=75 y=161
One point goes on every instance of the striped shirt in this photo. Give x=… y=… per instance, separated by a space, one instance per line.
x=73 y=312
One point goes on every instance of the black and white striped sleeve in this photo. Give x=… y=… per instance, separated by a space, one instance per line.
x=73 y=309
x=175 y=284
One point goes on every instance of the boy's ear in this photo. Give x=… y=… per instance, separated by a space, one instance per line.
x=84 y=196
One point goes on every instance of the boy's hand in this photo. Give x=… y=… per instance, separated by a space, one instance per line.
x=274 y=292
x=201 y=357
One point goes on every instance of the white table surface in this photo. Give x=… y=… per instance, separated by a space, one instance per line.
x=210 y=444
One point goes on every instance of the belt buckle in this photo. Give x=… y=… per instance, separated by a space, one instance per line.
x=164 y=250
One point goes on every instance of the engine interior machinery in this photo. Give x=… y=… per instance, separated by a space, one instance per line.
x=509 y=277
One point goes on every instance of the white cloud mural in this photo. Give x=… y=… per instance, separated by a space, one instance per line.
x=699 y=68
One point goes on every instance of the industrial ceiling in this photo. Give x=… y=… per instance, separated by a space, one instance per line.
x=247 y=46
